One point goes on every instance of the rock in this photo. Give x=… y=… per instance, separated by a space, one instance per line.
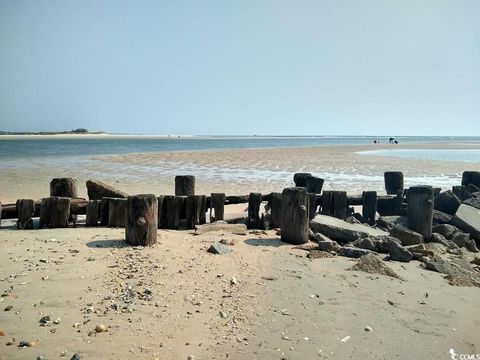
x=383 y=244
x=320 y=237
x=219 y=249
x=472 y=189
x=100 y=328
x=45 y=321
x=318 y=254
x=447 y=202
x=228 y=242
x=365 y=243
x=467 y=218
x=388 y=222
x=460 y=239
x=419 y=251
x=441 y=218
x=236 y=229
x=372 y=264
x=340 y=230
x=75 y=356
x=352 y=252
x=399 y=253
x=368 y=328
x=328 y=246
x=471 y=246
x=352 y=220
x=8 y=308
x=406 y=236
x=473 y=202
x=445 y=229
x=26 y=344
x=458 y=274
x=98 y=190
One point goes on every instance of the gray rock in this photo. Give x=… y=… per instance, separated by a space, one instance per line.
x=320 y=237
x=473 y=202
x=328 y=246
x=388 y=222
x=441 y=218
x=406 y=236
x=340 y=230
x=75 y=356
x=471 y=246
x=460 y=239
x=472 y=189
x=365 y=243
x=467 y=218
x=447 y=202
x=440 y=239
x=352 y=252
x=383 y=244
x=352 y=220
x=399 y=253
x=219 y=249
x=445 y=229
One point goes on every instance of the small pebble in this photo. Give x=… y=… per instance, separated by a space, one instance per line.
x=368 y=328
x=100 y=328
x=27 y=343
x=190 y=357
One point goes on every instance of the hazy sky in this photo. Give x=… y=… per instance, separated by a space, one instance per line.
x=402 y=67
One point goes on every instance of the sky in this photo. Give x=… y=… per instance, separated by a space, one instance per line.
x=264 y=67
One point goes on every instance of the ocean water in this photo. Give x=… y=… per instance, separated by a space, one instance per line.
x=51 y=147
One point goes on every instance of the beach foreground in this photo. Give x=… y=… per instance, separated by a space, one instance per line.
x=264 y=300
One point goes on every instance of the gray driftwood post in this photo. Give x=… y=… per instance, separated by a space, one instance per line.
x=369 y=207
x=117 y=212
x=300 y=179
x=184 y=185
x=173 y=206
x=161 y=218
x=64 y=187
x=312 y=205
x=141 y=225
x=217 y=204
x=195 y=210
x=25 y=211
x=294 y=227
x=393 y=181
x=471 y=177
x=92 y=210
x=420 y=210
x=314 y=184
x=254 y=221
x=334 y=203
x=276 y=210
x=54 y=212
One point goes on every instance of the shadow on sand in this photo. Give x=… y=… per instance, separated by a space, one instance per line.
x=275 y=242
x=120 y=243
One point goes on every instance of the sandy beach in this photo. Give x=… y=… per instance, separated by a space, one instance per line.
x=237 y=171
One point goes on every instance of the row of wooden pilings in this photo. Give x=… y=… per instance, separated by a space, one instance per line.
x=289 y=210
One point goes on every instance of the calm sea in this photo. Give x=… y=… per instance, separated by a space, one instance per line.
x=22 y=148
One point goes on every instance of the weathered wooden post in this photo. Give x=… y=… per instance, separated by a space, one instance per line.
x=294 y=227
x=92 y=210
x=312 y=205
x=254 y=220
x=25 y=211
x=141 y=225
x=195 y=210
x=300 y=179
x=369 y=207
x=314 y=184
x=334 y=203
x=105 y=210
x=276 y=210
x=161 y=218
x=420 y=210
x=393 y=181
x=184 y=185
x=0 y=213
x=117 y=212
x=64 y=187
x=173 y=209
x=471 y=177
x=217 y=204
x=54 y=212
x=461 y=192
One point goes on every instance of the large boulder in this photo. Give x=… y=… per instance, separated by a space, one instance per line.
x=406 y=236
x=467 y=218
x=98 y=190
x=384 y=243
x=447 y=202
x=340 y=230
x=398 y=253
x=440 y=217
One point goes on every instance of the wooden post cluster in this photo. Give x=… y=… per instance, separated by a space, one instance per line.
x=92 y=211
x=217 y=207
x=369 y=207
x=294 y=224
x=393 y=181
x=141 y=224
x=196 y=210
x=254 y=221
x=54 y=212
x=334 y=203
x=420 y=210
x=275 y=210
x=471 y=177
x=184 y=185
x=25 y=211
x=117 y=212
